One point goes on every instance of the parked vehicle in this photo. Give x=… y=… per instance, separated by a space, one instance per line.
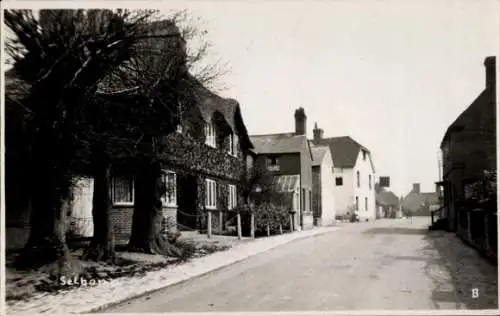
x=354 y=218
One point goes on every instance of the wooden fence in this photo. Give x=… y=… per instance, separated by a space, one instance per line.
x=479 y=228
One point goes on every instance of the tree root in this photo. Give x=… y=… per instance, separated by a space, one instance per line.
x=158 y=245
x=99 y=253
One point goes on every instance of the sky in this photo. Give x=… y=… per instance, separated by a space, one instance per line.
x=393 y=75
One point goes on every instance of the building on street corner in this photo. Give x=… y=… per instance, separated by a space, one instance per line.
x=354 y=174
x=469 y=168
x=289 y=155
x=323 y=186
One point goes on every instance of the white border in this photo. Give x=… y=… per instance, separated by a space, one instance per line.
x=3 y=306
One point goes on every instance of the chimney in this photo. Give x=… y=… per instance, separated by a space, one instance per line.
x=416 y=188
x=317 y=132
x=300 y=121
x=490 y=65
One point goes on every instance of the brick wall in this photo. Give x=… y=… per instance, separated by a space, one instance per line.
x=170 y=216
x=122 y=220
x=121 y=217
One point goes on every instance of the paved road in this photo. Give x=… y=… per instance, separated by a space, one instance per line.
x=386 y=264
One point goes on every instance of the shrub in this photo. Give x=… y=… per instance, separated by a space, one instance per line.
x=270 y=215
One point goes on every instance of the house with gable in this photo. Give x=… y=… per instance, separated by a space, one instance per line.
x=387 y=203
x=354 y=174
x=287 y=158
x=469 y=151
x=323 y=202
x=203 y=164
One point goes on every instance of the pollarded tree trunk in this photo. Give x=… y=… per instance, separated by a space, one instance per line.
x=147 y=234
x=102 y=246
x=51 y=200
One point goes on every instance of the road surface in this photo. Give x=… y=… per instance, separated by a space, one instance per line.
x=385 y=264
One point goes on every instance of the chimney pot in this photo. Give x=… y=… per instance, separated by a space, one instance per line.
x=317 y=132
x=416 y=188
x=490 y=65
x=300 y=121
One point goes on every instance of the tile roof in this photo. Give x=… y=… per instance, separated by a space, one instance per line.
x=344 y=150
x=208 y=103
x=476 y=106
x=318 y=153
x=482 y=102
x=286 y=183
x=387 y=198
x=278 y=143
x=413 y=201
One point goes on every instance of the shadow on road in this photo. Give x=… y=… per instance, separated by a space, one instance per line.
x=455 y=268
x=396 y=231
x=449 y=260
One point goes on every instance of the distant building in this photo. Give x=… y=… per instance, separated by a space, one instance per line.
x=418 y=203
x=354 y=173
x=387 y=204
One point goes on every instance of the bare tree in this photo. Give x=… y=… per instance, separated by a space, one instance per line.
x=158 y=82
x=61 y=56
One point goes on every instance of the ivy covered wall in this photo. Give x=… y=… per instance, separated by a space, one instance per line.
x=192 y=155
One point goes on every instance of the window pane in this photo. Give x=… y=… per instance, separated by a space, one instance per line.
x=235 y=197
x=122 y=190
x=215 y=194
x=207 y=195
x=210 y=201
x=170 y=197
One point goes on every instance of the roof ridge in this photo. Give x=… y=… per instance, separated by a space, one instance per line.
x=275 y=134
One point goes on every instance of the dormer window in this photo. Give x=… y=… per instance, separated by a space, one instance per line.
x=179 y=110
x=272 y=164
x=235 y=144
x=210 y=135
x=231 y=144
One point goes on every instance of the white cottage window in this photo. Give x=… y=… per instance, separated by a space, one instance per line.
x=170 y=197
x=122 y=191
x=231 y=144
x=232 y=198
x=210 y=194
x=210 y=135
x=235 y=144
x=296 y=206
